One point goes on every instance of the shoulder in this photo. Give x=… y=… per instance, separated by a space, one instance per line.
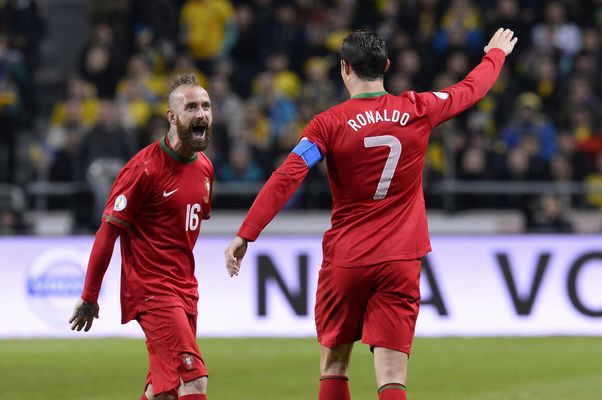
x=205 y=163
x=333 y=114
x=146 y=161
x=422 y=102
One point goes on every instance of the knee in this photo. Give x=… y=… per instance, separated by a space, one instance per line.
x=334 y=363
x=195 y=386
x=165 y=396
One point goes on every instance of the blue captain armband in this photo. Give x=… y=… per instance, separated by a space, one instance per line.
x=308 y=151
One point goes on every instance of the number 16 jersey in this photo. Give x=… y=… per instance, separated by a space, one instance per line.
x=159 y=199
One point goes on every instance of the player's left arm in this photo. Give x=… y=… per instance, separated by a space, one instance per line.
x=273 y=196
x=449 y=102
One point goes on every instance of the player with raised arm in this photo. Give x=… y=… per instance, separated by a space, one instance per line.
x=374 y=145
x=156 y=206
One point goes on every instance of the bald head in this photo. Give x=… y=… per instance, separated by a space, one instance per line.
x=175 y=94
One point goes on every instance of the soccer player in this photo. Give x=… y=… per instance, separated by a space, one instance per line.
x=374 y=145
x=156 y=206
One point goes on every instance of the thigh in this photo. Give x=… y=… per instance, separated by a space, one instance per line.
x=341 y=300
x=172 y=348
x=392 y=309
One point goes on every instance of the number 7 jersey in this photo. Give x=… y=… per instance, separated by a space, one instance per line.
x=374 y=145
x=159 y=199
x=375 y=160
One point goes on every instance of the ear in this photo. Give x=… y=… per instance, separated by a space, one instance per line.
x=387 y=65
x=171 y=117
x=345 y=67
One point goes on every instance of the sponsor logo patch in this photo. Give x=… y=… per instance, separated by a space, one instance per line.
x=120 y=203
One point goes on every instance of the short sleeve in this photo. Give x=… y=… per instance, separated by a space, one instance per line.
x=317 y=132
x=130 y=189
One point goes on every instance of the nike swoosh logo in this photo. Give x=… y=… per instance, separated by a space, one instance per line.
x=167 y=194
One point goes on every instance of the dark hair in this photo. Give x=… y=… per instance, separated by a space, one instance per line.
x=366 y=53
x=183 y=79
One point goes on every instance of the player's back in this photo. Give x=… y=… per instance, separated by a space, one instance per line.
x=375 y=147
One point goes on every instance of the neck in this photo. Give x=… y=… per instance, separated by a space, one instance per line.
x=357 y=86
x=177 y=146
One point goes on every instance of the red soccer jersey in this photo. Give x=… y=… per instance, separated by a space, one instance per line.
x=160 y=199
x=374 y=147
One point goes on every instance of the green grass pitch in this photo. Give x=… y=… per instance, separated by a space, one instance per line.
x=264 y=369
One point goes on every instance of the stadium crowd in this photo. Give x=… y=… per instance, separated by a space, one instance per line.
x=270 y=66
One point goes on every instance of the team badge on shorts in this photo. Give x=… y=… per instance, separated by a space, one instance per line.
x=187 y=360
x=120 y=203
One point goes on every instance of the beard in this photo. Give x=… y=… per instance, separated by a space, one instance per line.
x=194 y=136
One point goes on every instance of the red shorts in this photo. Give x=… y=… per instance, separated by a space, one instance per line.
x=377 y=303
x=173 y=352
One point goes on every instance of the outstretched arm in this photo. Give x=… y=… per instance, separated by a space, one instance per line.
x=273 y=196
x=449 y=102
x=86 y=309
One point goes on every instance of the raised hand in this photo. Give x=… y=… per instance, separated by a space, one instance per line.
x=502 y=39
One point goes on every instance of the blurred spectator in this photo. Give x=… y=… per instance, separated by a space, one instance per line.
x=80 y=106
x=103 y=151
x=473 y=167
x=241 y=167
x=64 y=159
x=246 y=51
x=509 y=14
x=460 y=29
x=100 y=61
x=528 y=121
x=228 y=115
x=107 y=139
x=548 y=216
x=284 y=34
x=286 y=82
x=25 y=27
x=13 y=81
x=410 y=65
x=278 y=108
x=593 y=182
x=256 y=132
x=151 y=86
x=208 y=30
x=517 y=168
x=544 y=81
x=556 y=33
x=567 y=148
x=160 y=19
x=135 y=109
x=317 y=90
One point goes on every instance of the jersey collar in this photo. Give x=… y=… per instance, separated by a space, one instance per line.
x=368 y=95
x=173 y=154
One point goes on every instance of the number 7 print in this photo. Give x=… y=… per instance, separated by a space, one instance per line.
x=394 y=152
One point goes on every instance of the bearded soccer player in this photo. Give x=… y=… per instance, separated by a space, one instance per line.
x=374 y=145
x=156 y=206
